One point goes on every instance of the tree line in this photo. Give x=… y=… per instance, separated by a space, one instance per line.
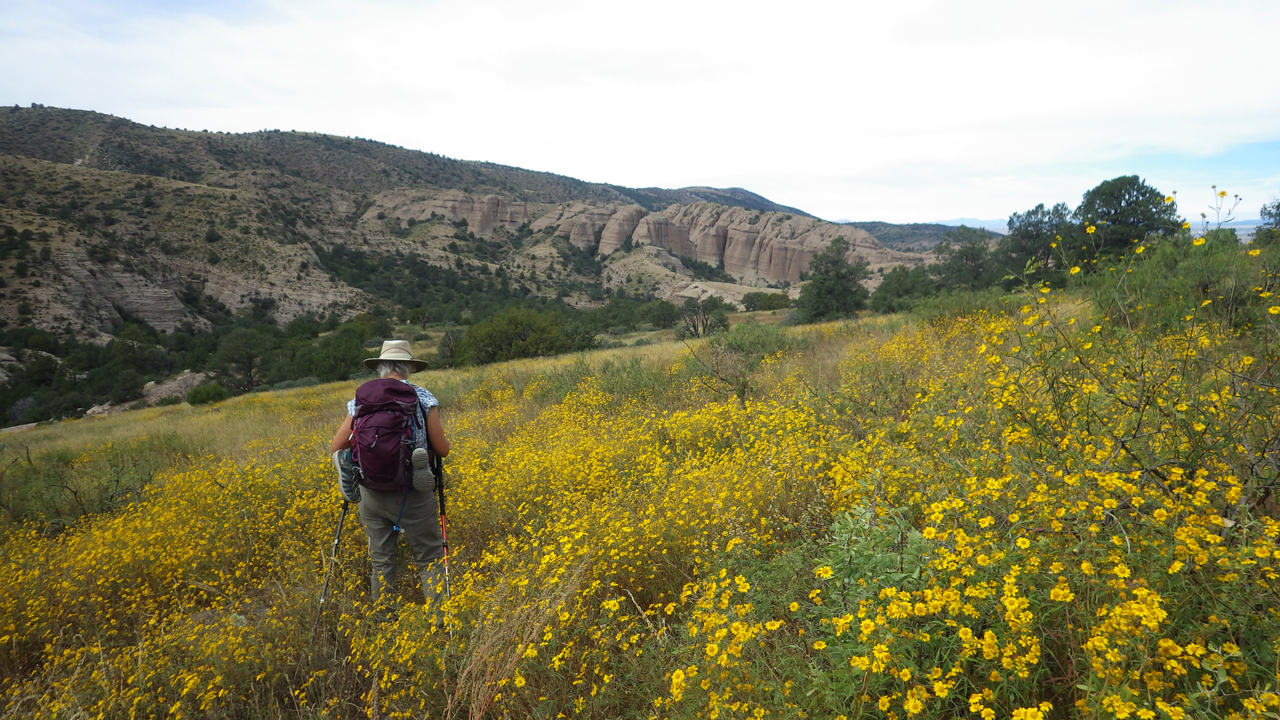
x=492 y=317
x=1043 y=244
x=249 y=350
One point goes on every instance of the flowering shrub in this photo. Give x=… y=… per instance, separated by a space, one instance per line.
x=1047 y=514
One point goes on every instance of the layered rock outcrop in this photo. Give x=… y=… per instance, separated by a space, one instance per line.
x=91 y=297
x=483 y=213
x=761 y=248
x=586 y=230
x=621 y=225
x=92 y=293
x=756 y=248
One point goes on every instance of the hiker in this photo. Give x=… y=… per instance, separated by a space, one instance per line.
x=413 y=509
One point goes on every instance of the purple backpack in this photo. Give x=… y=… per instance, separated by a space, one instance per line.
x=382 y=434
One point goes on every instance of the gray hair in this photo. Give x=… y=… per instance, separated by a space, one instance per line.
x=389 y=367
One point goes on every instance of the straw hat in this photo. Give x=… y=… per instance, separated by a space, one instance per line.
x=396 y=351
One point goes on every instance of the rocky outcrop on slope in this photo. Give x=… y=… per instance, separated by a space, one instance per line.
x=90 y=296
x=95 y=293
x=763 y=248
x=176 y=386
x=483 y=213
x=757 y=248
x=583 y=224
x=621 y=226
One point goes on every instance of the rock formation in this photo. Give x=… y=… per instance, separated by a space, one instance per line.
x=176 y=386
x=757 y=248
x=483 y=213
x=762 y=248
x=93 y=292
x=621 y=225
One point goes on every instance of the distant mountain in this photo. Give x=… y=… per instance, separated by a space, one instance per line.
x=741 y=198
x=94 y=140
x=997 y=226
x=908 y=237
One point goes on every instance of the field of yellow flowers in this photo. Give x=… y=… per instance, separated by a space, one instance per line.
x=1054 y=512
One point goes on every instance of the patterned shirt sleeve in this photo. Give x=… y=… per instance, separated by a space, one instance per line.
x=426 y=398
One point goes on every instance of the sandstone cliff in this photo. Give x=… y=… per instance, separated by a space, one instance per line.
x=482 y=213
x=95 y=293
x=756 y=248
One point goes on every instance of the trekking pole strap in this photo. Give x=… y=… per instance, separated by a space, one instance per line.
x=333 y=553
x=404 y=499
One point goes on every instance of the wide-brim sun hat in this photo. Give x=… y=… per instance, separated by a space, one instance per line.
x=396 y=351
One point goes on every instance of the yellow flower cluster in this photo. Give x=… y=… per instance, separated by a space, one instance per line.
x=1033 y=514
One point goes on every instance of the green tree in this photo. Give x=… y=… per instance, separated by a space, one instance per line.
x=128 y=386
x=241 y=358
x=901 y=288
x=705 y=316
x=447 y=349
x=418 y=316
x=515 y=333
x=753 y=301
x=335 y=356
x=660 y=314
x=1268 y=231
x=834 y=289
x=1126 y=209
x=209 y=392
x=1032 y=235
x=965 y=260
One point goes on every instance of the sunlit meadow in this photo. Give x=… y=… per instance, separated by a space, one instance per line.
x=1062 y=510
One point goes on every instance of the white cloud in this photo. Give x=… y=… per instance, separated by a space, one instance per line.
x=845 y=108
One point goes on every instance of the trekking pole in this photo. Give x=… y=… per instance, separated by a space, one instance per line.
x=437 y=466
x=333 y=556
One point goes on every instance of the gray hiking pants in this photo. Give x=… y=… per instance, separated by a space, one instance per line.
x=420 y=521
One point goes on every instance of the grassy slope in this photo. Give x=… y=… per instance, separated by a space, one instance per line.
x=899 y=519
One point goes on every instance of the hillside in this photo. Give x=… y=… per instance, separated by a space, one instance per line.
x=906 y=237
x=128 y=219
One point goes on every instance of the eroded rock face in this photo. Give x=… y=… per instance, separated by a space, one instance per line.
x=761 y=248
x=93 y=292
x=178 y=385
x=6 y=359
x=482 y=214
x=757 y=248
x=658 y=229
x=311 y=294
x=622 y=225
x=586 y=229
x=561 y=218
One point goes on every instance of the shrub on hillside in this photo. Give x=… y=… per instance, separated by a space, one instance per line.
x=733 y=358
x=703 y=317
x=1163 y=283
x=753 y=301
x=207 y=393
x=519 y=333
x=901 y=288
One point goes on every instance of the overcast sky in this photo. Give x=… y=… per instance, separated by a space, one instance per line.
x=902 y=111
